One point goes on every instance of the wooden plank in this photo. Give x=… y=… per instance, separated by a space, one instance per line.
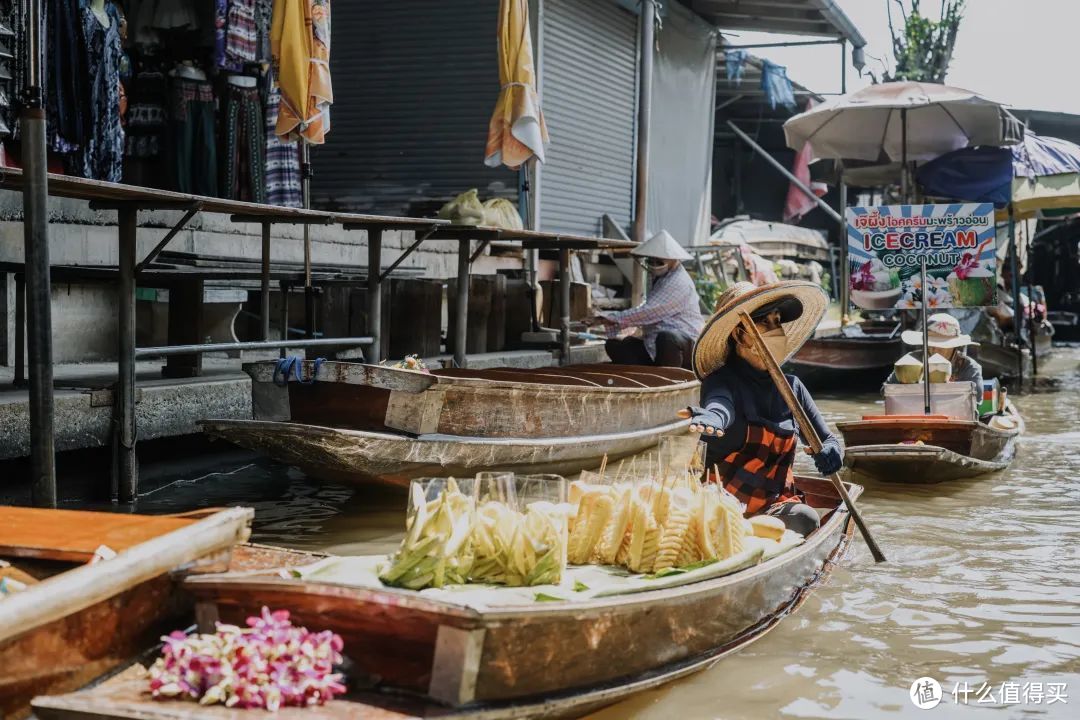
x=125 y=697
x=78 y=589
x=74 y=535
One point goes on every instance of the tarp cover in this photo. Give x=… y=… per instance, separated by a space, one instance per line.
x=982 y=174
x=680 y=151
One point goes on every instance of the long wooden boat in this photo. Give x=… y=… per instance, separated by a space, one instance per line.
x=76 y=621
x=930 y=449
x=549 y=659
x=492 y=403
x=357 y=422
x=356 y=456
x=863 y=354
x=1000 y=361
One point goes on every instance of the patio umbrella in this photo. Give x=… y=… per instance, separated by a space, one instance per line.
x=902 y=121
x=517 y=131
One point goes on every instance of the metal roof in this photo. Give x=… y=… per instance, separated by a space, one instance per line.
x=822 y=18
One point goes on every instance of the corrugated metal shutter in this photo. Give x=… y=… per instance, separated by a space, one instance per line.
x=589 y=98
x=415 y=82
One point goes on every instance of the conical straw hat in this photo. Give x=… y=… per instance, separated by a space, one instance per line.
x=663 y=246
x=711 y=349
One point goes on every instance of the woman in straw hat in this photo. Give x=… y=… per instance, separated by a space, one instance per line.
x=744 y=421
x=944 y=338
x=670 y=317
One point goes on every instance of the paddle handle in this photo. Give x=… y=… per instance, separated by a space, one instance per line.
x=808 y=432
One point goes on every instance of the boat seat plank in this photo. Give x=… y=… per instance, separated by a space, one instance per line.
x=74 y=535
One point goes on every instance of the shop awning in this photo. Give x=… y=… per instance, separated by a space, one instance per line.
x=796 y=17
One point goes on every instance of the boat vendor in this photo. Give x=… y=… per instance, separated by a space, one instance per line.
x=944 y=338
x=748 y=429
x=670 y=318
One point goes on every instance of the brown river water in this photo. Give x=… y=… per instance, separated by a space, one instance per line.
x=982 y=585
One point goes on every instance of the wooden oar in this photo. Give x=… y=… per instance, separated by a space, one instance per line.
x=808 y=432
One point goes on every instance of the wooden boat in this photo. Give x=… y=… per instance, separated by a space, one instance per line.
x=548 y=659
x=928 y=449
x=76 y=621
x=1000 y=361
x=358 y=422
x=860 y=354
x=355 y=456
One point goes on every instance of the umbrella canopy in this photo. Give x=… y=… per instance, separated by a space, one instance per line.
x=300 y=44
x=867 y=124
x=517 y=131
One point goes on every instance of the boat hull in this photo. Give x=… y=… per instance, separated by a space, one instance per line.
x=361 y=457
x=915 y=464
x=544 y=659
x=923 y=451
x=493 y=403
x=832 y=360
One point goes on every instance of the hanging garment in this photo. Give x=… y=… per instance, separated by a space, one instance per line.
x=241 y=34
x=777 y=87
x=797 y=203
x=243 y=169
x=221 y=22
x=300 y=38
x=193 y=151
x=102 y=155
x=67 y=98
x=282 y=158
x=264 y=14
x=735 y=63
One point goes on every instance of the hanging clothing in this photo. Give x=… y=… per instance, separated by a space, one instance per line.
x=102 y=155
x=193 y=150
x=735 y=64
x=282 y=158
x=221 y=22
x=264 y=15
x=243 y=168
x=241 y=34
x=67 y=99
x=300 y=38
x=777 y=87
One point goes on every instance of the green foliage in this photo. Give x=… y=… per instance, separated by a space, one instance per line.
x=923 y=47
x=708 y=290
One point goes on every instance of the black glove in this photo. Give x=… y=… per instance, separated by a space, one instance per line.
x=830 y=459
x=702 y=418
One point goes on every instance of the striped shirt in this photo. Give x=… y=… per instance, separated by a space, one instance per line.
x=672 y=305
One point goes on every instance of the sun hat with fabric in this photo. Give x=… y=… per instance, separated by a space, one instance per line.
x=801 y=305
x=942 y=331
x=662 y=246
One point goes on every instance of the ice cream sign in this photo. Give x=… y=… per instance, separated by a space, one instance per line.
x=886 y=246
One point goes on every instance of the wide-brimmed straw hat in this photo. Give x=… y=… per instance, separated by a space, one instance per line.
x=801 y=305
x=942 y=331
x=663 y=246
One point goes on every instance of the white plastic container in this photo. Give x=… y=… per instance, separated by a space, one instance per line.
x=955 y=400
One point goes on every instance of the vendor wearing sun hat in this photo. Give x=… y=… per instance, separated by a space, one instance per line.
x=744 y=421
x=945 y=339
x=670 y=317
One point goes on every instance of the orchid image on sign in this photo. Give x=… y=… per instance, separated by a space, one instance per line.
x=886 y=246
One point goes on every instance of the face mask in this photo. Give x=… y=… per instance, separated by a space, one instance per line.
x=658 y=270
x=776 y=341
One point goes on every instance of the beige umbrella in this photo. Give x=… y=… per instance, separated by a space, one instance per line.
x=517 y=131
